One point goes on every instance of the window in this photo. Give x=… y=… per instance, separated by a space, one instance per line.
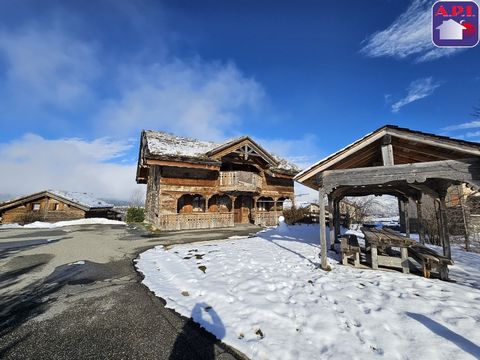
x=56 y=206
x=36 y=207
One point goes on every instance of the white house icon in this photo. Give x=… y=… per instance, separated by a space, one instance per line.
x=451 y=30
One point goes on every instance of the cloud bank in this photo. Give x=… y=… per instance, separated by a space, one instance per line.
x=52 y=76
x=33 y=163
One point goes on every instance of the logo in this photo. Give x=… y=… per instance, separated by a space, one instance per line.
x=455 y=23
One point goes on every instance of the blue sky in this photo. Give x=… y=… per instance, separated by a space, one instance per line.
x=80 y=79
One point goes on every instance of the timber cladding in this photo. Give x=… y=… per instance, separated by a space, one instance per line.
x=193 y=184
x=44 y=209
x=53 y=206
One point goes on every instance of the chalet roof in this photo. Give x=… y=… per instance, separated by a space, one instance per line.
x=81 y=200
x=165 y=146
x=410 y=146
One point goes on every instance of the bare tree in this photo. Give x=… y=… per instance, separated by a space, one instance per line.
x=137 y=199
x=359 y=208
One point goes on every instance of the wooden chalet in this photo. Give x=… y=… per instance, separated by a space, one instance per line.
x=54 y=205
x=394 y=161
x=193 y=184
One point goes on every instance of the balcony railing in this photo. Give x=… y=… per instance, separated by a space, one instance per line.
x=195 y=221
x=266 y=218
x=240 y=181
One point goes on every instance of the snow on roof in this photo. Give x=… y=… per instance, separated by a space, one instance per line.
x=83 y=199
x=160 y=143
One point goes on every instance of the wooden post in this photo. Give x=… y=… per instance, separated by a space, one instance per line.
x=421 y=233
x=275 y=210
x=387 y=151
x=466 y=218
x=401 y=214
x=336 y=218
x=323 y=230
x=405 y=264
x=374 y=254
x=447 y=251
x=406 y=206
x=331 y=221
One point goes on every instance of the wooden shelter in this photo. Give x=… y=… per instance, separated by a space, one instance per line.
x=393 y=161
x=54 y=205
x=194 y=184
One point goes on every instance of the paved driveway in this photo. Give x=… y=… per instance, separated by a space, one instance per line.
x=74 y=293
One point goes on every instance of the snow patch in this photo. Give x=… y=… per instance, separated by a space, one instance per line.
x=45 y=225
x=266 y=297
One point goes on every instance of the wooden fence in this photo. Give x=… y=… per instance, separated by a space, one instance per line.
x=195 y=221
x=266 y=218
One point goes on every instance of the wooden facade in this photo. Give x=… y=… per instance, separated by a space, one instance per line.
x=52 y=206
x=193 y=184
x=394 y=161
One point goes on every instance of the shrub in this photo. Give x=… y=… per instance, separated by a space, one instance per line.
x=296 y=215
x=135 y=215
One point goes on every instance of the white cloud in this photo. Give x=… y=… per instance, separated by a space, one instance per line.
x=303 y=151
x=472 y=134
x=408 y=36
x=468 y=125
x=47 y=67
x=33 y=163
x=195 y=98
x=417 y=90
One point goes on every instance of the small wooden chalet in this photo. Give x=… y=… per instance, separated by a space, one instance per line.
x=394 y=161
x=52 y=206
x=193 y=184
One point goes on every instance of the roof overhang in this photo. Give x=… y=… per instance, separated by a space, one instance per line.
x=307 y=176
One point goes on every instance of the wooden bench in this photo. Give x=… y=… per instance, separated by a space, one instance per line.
x=429 y=260
x=350 y=249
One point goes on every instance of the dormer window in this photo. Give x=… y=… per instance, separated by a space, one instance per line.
x=36 y=207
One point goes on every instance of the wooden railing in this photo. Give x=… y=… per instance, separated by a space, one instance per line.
x=266 y=218
x=195 y=221
x=240 y=181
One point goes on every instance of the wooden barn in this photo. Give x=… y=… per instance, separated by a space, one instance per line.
x=193 y=184
x=52 y=206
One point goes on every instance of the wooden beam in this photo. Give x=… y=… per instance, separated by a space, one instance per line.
x=357 y=159
x=436 y=142
x=183 y=164
x=466 y=170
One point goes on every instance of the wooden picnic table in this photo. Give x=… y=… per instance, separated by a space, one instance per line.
x=382 y=240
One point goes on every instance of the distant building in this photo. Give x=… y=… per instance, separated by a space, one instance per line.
x=194 y=184
x=54 y=205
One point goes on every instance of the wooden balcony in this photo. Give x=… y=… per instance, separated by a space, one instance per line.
x=240 y=181
x=201 y=220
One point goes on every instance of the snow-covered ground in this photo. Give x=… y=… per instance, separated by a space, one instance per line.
x=266 y=297
x=46 y=225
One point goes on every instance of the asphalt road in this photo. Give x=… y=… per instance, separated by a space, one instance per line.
x=73 y=293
